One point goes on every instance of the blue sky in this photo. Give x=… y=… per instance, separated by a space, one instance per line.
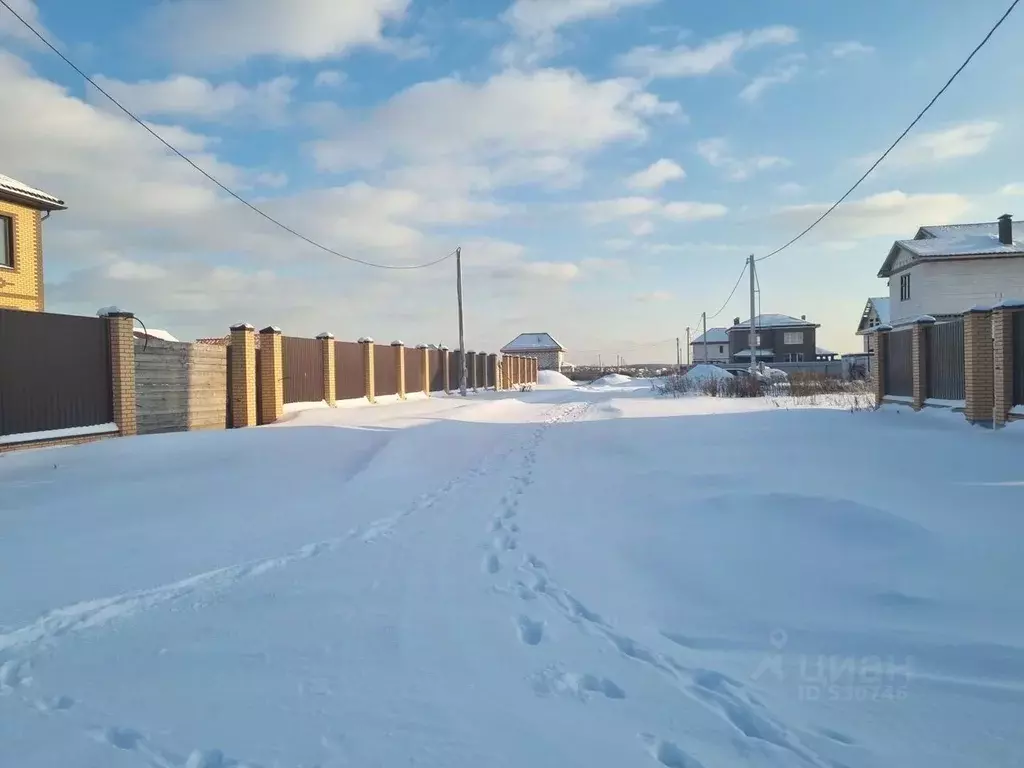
x=605 y=164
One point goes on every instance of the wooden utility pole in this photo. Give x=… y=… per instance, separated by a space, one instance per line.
x=704 y=320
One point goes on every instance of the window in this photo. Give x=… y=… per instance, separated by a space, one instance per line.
x=905 y=287
x=794 y=357
x=721 y=349
x=793 y=338
x=6 y=242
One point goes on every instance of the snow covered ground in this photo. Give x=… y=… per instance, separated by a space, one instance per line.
x=588 y=576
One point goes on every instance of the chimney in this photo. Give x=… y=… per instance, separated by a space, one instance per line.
x=803 y=317
x=1006 y=229
x=735 y=321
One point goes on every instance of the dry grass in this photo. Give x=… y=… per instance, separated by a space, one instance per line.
x=800 y=390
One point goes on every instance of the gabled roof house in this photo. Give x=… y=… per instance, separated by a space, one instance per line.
x=716 y=350
x=549 y=353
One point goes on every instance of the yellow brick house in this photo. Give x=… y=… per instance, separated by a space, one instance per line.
x=22 y=212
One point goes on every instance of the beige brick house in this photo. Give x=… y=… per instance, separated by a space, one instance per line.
x=22 y=212
x=549 y=353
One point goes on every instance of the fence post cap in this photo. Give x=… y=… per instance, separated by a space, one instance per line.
x=979 y=309
x=242 y=327
x=444 y=348
x=113 y=312
x=325 y=335
x=397 y=343
x=422 y=346
x=924 y=320
x=270 y=329
x=884 y=328
x=365 y=340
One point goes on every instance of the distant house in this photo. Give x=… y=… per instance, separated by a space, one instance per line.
x=549 y=353
x=717 y=347
x=23 y=209
x=946 y=270
x=780 y=339
x=876 y=312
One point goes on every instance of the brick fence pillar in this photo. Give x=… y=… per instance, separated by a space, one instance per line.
x=242 y=361
x=424 y=363
x=271 y=375
x=978 y=366
x=367 y=344
x=398 y=348
x=446 y=369
x=327 y=354
x=1002 y=364
x=122 y=370
x=919 y=360
x=878 y=362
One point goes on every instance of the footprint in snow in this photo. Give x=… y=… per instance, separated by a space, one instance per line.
x=667 y=753
x=530 y=632
x=491 y=563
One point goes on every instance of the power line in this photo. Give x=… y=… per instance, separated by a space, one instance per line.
x=731 y=293
x=900 y=138
x=210 y=177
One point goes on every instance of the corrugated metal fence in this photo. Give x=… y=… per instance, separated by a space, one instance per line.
x=436 y=371
x=349 y=370
x=899 y=364
x=414 y=370
x=385 y=370
x=302 y=362
x=55 y=373
x=945 y=360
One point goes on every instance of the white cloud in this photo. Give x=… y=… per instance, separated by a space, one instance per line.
x=893 y=213
x=329 y=78
x=641 y=228
x=790 y=188
x=711 y=56
x=656 y=175
x=187 y=96
x=654 y=296
x=756 y=87
x=548 y=270
x=603 y=211
x=1017 y=188
x=223 y=32
x=618 y=244
x=535 y=24
x=550 y=115
x=718 y=154
x=962 y=140
x=849 y=48
x=10 y=27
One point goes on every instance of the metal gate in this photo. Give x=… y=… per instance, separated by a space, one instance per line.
x=55 y=372
x=899 y=364
x=945 y=360
x=1018 y=358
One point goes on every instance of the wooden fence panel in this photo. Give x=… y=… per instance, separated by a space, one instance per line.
x=944 y=361
x=302 y=361
x=180 y=386
x=54 y=372
x=436 y=371
x=899 y=364
x=385 y=370
x=349 y=370
x=413 y=370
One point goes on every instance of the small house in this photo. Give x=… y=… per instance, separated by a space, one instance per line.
x=549 y=353
x=23 y=209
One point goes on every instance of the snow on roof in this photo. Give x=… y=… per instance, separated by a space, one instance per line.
x=24 y=193
x=715 y=336
x=760 y=353
x=155 y=333
x=774 y=321
x=958 y=240
x=532 y=342
x=881 y=305
x=823 y=351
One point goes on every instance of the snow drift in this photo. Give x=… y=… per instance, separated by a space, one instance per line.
x=554 y=379
x=705 y=372
x=613 y=379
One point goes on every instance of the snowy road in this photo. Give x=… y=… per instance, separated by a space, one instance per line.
x=577 y=577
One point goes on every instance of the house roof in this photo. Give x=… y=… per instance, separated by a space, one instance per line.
x=823 y=351
x=954 y=241
x=775 y=321
x=12 y=189
x=715 y=336
x=880 y=304
x=154 y=333
x=533 y=342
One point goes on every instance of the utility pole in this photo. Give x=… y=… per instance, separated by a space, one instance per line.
x=687 y=345
x=462 y=329
x=679 y=353
x=753 y=324
x=599 y=361
x=704 y=320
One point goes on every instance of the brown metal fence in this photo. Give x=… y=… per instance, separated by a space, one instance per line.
x=945 y=360
x=1018 y=358
x=259 y=386
x=899 y=364
x=471 y=370
x=454 y=372
x=349 y=370
x=481 y=370
x=385 y=370
x=436 y=371
x=55 y=372
x=302 y=361
x=413 y=370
